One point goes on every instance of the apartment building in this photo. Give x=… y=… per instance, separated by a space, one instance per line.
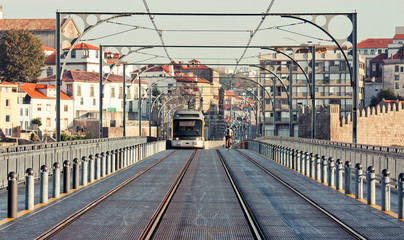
x=8 y=107
x=333 y=85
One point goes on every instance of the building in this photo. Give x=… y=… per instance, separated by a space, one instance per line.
x=333 y=85
x=83 y=57
x=393 y=73
x=83 y=87
x=42 y=101
x=8 y=108
x=43 y=29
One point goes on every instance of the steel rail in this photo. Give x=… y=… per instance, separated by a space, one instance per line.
x=59 y=227
x=252 y=221
x=151 y=227
x=344 y=226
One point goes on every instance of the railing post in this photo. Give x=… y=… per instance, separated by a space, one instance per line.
x=91 y=163
x=371 y=185
x=12 y=195
x=132 y=154
x=400 y=196
x=113 y=160
x=348 y=176
x=339 y=174
x=312 y=166
x=97 y=166
x=331 y=172
x=56 y=180
x=76 y=173
x=29 y=189
x=297 y=161
x=318 y=167
x=359 y=181
x=66 y=176
x=84 y=171
x=324 y=170
x=44 y=184
x=103 y=165
x=305 y=167
x=385 y=190
x=108 y=162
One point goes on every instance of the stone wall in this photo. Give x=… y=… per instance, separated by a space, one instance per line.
x=381 y=125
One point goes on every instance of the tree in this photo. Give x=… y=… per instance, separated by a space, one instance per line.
x=21 y=56
x=388 y=94
x=36 y=121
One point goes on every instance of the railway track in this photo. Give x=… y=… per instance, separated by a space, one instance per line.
x=156 y=224
x=345 y=227
x=59 y=227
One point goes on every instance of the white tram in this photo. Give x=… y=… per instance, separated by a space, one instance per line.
x=188 y=127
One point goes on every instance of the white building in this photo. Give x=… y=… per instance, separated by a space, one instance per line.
x=42 y=100
x=83 y=57
x=83 y=87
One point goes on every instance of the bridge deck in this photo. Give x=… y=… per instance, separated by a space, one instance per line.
x=281 y=214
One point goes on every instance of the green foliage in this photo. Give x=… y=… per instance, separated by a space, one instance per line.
x=238 y=80
x=67 y=137
x=21 y=56
x=36 y=121
x=387 y=94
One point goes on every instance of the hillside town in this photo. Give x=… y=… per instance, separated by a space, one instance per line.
x=138 y=103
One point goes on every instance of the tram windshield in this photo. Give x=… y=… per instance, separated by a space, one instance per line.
x=187 y=128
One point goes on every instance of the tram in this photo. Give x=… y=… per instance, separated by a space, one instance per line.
x=188 y=127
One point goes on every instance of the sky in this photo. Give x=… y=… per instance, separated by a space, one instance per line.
x=376 y=19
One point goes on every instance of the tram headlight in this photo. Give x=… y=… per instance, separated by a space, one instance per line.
x=197 y=139
x=177 y=138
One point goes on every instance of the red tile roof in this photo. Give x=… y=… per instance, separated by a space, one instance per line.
x=32 y=89
x=398 y=36
x=375 y=43
x=51 y=59
x=48 y=48
x=83 y=76
x=28 y=24
x=7 y=83
x=81 y=46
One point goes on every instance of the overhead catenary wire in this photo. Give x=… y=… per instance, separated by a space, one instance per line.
x=157 y=30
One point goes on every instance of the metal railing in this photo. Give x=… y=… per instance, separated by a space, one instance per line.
x=76 y=172
x=339 y=173
x=19 y=158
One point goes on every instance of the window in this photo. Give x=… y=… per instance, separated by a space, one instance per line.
x=81 y=101
x=91 y=91
x=66 y=108
x=120 y=92
x=39 y=107
x=26 y=112
x=66 y=123
x=396 y=68
x=49 y=71
x=78 y=91
x=113 y=92
x=69 y=89
x=26 y=125
x=7 y=118
x=397 y=85
x=401 y=69
x=96 y=54
x=7 y=102
x=21 y=112
x=94 y=101
x=48 y=107
x=8 y=131
x=73 y=54
x=396 y=77
x=48 y=122
x=85 y=53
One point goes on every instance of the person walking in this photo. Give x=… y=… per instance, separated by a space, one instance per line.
x=229 y=135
